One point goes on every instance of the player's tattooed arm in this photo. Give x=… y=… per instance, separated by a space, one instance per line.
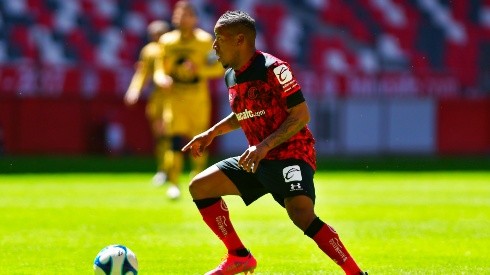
x=299 y=116
x=199 y=142
x=226 y=125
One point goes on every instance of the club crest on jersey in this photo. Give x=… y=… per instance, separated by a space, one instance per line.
x=283 y=74
x=252 y=93
x=292 y=173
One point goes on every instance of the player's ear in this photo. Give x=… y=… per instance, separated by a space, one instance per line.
x=240 y=39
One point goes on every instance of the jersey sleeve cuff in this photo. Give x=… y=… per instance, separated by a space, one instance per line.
x=295 y=99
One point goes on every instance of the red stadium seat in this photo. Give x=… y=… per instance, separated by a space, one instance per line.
x=330 y=54
x=463 y=59
x=333 y=12
x=269 y=17
x=21 y=39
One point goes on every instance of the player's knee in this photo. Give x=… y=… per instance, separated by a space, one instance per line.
x=302 y=214
x=193 y=188
x=196 y=187
x=302 y=219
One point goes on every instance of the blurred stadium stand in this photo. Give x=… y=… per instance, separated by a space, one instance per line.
x=384 y=76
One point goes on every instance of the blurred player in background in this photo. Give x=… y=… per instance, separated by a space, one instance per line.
x=156 y=105
x=190 y=62
x=268 y=105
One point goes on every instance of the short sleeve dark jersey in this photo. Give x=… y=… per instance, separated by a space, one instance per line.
x=260 y=94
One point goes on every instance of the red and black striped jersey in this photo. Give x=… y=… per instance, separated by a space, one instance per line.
x=260 y=93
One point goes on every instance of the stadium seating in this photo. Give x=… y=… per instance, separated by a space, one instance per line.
x=386 y=34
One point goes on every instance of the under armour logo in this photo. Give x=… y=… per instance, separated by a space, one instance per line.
x=295 y=187
x=292 y=173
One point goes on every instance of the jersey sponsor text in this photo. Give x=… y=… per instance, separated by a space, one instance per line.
x=249 y=114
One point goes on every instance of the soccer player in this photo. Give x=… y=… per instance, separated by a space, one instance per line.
x=189 y=60
x=268 y=105
x=156 y=104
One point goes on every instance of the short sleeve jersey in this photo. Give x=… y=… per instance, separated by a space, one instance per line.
x=260 y=94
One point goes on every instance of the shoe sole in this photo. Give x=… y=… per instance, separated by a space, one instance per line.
x=249 y=271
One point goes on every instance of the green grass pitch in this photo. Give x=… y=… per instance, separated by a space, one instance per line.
x=392 y=223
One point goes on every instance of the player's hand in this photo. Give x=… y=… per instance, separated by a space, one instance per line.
x=163 y=80
x=198 y=144
x=131 y=97
x=251 y=158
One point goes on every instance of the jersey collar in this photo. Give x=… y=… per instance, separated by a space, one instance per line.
x=245 y=67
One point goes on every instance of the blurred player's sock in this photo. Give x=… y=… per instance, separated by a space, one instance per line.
x=161 y=147
x=328 y=241
x=174 y=163
x=159 y=178
x=215 y=214
x=198 y=164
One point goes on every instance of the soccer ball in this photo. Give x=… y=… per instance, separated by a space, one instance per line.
x=116 y=259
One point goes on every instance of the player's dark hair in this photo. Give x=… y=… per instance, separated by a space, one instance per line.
x=238 y=19
x=185 y=4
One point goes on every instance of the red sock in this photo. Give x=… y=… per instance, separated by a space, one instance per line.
x=328 y=241
x=216 y=216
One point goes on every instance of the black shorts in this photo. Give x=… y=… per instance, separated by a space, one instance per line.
x=280 y=178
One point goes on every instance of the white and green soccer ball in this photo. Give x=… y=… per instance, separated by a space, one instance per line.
x=116 y=259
